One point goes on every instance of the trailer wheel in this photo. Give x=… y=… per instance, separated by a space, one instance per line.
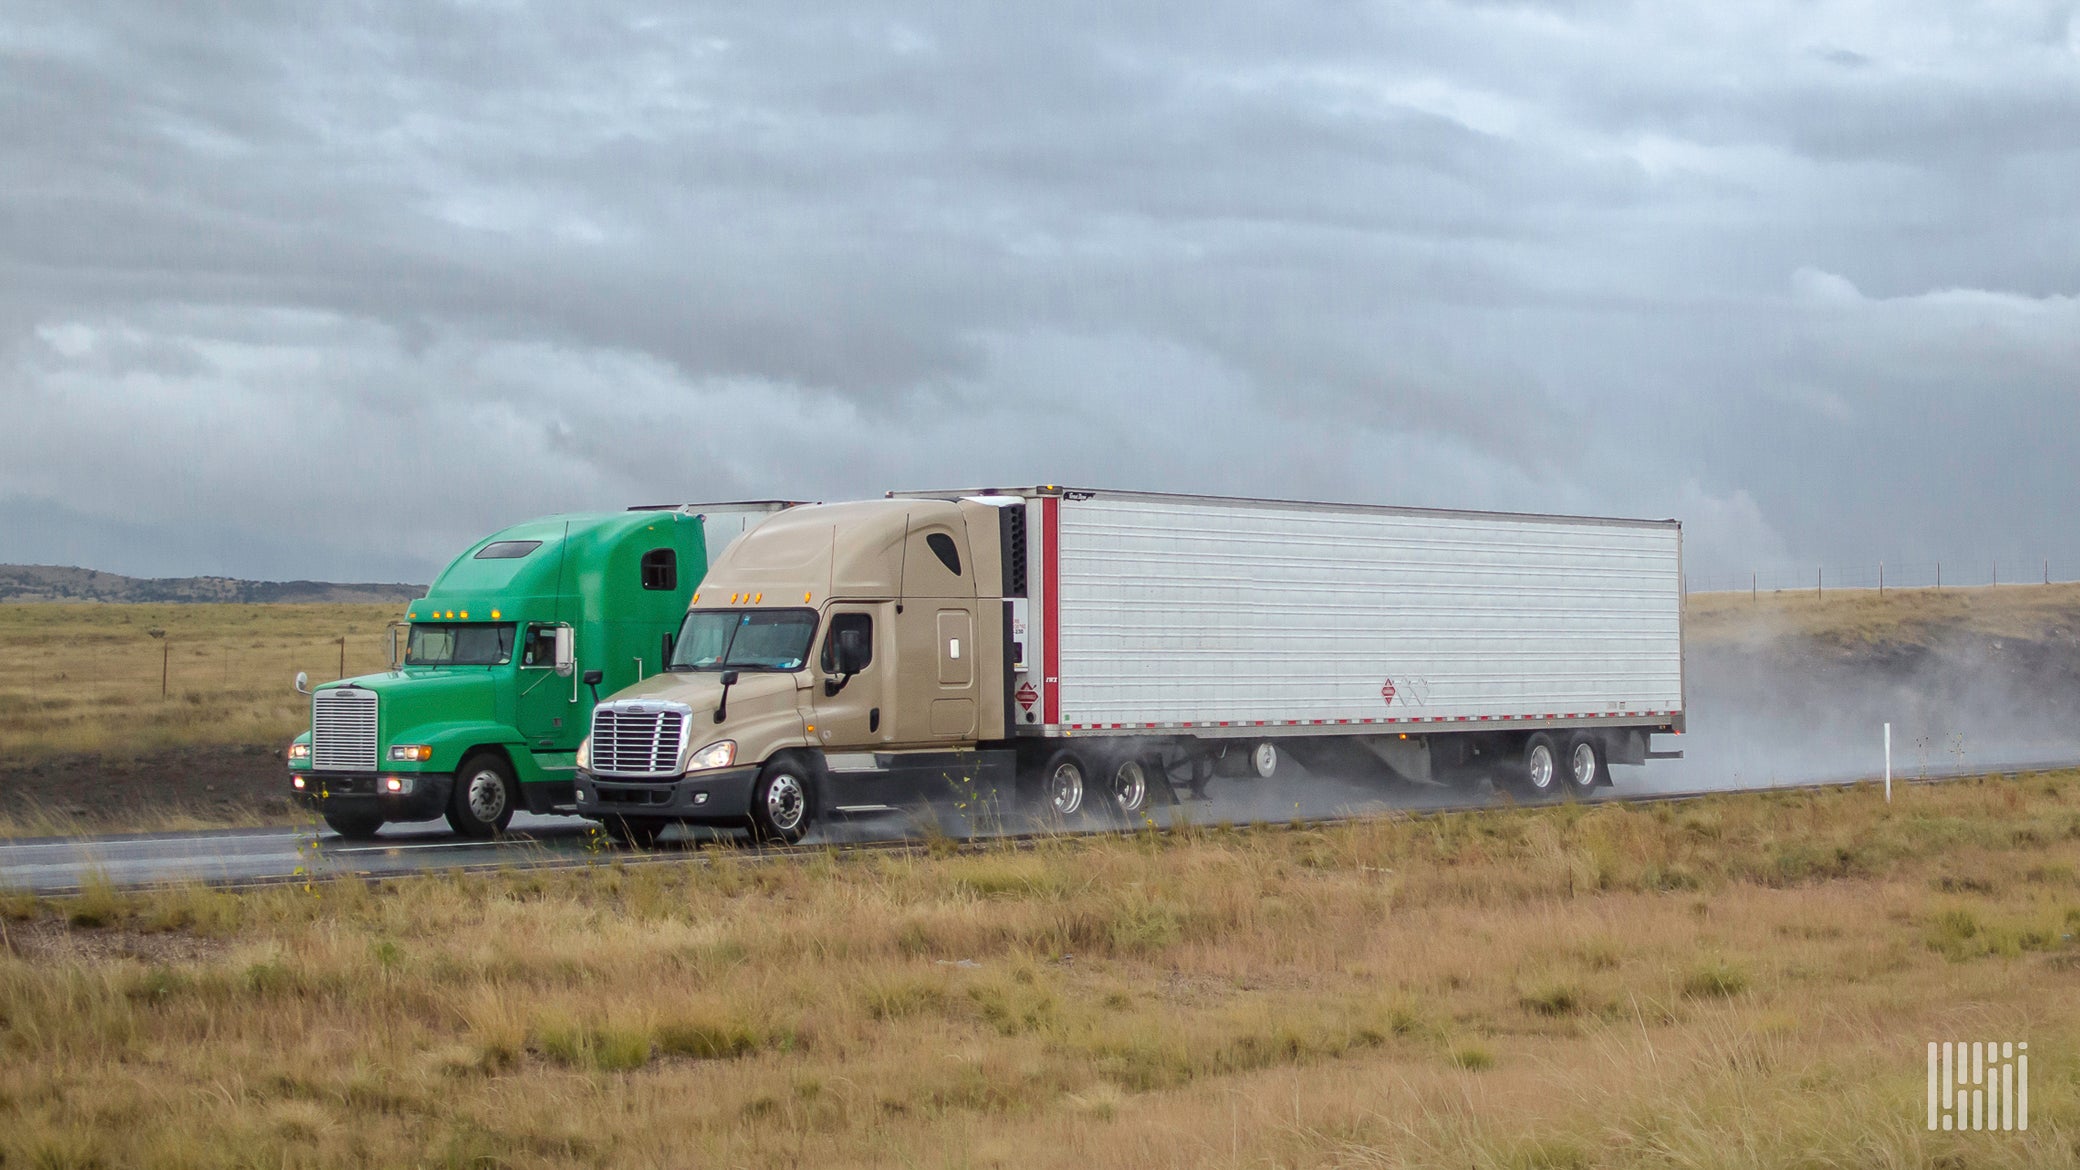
x=1587 y=765
x=1538 y=772
x=780 y=809
x=354 y=826
x=1264 y=760
x=1062 y=786
x=484 y=797
x=638 y=834
x=1132 y=785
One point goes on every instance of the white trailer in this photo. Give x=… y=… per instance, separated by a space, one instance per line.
x=1540 y=647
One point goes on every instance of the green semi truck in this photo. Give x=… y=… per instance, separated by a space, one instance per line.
x=490 y=685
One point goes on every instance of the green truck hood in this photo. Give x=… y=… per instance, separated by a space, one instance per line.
x=417 y=697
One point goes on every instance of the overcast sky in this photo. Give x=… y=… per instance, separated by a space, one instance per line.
x=331 y=293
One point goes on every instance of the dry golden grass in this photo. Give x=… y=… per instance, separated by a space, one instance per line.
x=1742 y=981
x=86 y=678
x=1853 y=617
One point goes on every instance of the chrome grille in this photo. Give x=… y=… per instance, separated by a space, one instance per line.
x=638 y=739
x=343 y=730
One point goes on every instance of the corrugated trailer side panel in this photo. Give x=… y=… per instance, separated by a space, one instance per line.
x=1180 y=611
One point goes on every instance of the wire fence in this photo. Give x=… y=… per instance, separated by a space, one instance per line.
x=1882 y=575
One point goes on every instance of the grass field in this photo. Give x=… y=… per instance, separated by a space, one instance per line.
x=1742 y=981
x=1863 y=617
x=87 y=677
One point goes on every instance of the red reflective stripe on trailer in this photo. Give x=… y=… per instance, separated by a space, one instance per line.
x=1051 y=580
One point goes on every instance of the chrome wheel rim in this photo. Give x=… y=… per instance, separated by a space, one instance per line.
x=1538 y=764
x=1130 y=786
x=1065 y=788
x=487 y=796
x=1265 y=760
x=1584 y=760
x=786 y=802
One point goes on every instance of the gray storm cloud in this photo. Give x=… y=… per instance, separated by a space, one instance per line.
x=326 y=294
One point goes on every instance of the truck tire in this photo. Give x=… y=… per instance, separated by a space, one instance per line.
x=1264 y=759
x=1064 y=789
x=484 y=797
x=637 y=834
x=354 y=826
x=1585 y=764
x=780 y=805
x=1538 y=769
x=1133 y=784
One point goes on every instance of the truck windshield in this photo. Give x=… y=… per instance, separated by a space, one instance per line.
x=738 y=639
x=475 y=644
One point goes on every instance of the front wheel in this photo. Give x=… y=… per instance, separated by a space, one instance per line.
x=354 y=826
x=780 y=807
x=484 y=797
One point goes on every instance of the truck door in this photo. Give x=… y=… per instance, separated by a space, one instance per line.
x=547 y=716
x=860 y=716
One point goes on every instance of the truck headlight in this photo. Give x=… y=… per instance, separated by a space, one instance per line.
x=720 y=754
x=299 y=751
x=585 y=752
x=411 y=753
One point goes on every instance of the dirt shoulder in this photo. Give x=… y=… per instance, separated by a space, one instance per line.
x=171 y=788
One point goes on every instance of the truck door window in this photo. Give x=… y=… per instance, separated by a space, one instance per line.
x=660 y=569
x=856 y=629
x=540 y=648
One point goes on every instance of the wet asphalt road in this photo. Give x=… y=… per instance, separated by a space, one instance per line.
x=259 y=856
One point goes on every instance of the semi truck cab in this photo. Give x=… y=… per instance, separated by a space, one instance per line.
x=484 y=705
x=846 y=663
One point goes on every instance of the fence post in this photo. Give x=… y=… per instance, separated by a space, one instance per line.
x=1819 y=580
x=1755 y=585
x=1881 y=578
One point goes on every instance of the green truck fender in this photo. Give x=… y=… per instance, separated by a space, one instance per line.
x=453 y=742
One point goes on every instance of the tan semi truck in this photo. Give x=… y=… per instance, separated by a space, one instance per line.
x=1086 y=654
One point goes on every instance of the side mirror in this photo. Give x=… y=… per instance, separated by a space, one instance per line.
x=395 y=661
x=729 y=678
x=566 y=652
x=593 y=677
x=303 y=683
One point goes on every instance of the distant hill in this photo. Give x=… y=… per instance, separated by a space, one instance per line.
x=64 y=583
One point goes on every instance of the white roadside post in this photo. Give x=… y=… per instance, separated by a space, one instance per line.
x=1888 y=763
